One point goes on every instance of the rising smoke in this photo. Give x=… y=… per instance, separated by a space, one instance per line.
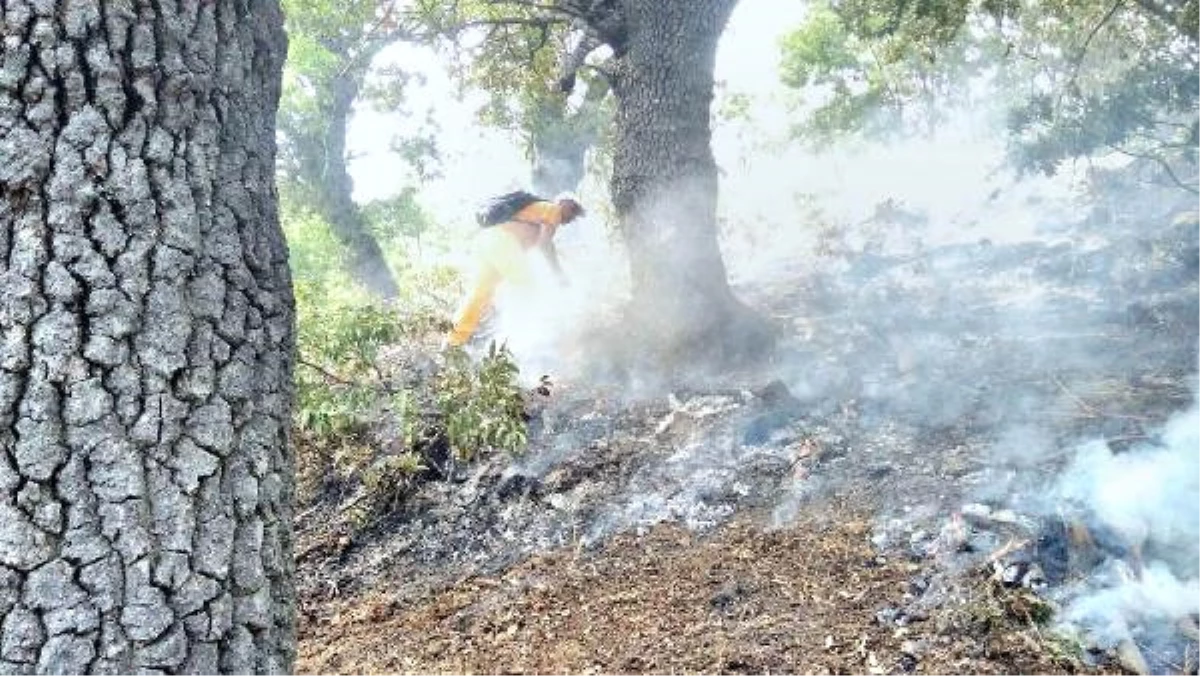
x=1148 y=495
x=929 y=288
x=926 y=291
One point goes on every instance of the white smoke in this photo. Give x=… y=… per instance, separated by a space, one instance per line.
x=1121 y=602
x=1150 y=496
x=541 y=323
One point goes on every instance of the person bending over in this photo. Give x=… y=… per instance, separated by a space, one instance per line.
x=501 y=256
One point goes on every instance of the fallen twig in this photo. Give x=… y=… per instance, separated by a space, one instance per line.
x=325 y=372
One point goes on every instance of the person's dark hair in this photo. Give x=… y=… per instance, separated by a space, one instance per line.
x=573 y=208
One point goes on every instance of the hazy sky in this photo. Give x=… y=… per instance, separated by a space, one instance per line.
x=771 y=187
x=480 y=161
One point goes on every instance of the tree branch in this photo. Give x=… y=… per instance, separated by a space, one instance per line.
x=572 y=60
x=500 y=22
x=373 y=41
x=563 y=8
x=329 y=375
x=1161 y=162
x=1077 y=62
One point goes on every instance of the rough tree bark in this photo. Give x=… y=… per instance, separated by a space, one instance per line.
x=664 y=183
x=147 y=340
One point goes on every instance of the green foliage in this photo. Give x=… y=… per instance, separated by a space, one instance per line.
x=875 y=67
x=1073 y=78
x=375 y=411
x=326 y=39
x=519 y=63
x=340 y=333
x=482 y=407
x=314 y=255
x=331 y=47
x=732 y=105
x=396 y=217
x=819 y=50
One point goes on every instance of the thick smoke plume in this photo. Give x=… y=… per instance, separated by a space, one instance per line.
x=1148 y=496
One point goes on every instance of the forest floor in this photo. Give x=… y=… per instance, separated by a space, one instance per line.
x=802 y=599
x=858 y=506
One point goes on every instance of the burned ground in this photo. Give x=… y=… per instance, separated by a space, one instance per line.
x=804 y=599
x=871 y=501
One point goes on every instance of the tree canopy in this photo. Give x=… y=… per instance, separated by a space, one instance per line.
x=542 y=69
x=1068 y=78
x=332 y=48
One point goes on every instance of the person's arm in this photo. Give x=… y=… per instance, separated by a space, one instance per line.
x=548 y=216
x=546 y=244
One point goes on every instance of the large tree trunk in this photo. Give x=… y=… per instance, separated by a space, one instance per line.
x=147 y=348
x=335 y=189
x=664 y=183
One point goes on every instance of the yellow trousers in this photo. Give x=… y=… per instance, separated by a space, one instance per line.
x=498 y=257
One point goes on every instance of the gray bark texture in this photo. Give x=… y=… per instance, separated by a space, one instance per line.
x=664 y=183
x=147 y=340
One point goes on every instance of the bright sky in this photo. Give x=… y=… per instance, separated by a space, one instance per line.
x=480 y=161
x=764 y=177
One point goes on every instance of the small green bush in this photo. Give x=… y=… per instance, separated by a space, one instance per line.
x=481 y=405
x=379 y=406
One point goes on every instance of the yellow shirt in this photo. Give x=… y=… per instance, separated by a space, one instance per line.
x=527 y=224
x=545 y=213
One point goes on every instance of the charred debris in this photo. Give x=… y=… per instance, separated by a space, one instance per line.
x=949 y=391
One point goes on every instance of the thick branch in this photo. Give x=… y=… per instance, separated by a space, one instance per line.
x=572 y=60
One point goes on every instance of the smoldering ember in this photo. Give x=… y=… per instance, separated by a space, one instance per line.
x=650 y=336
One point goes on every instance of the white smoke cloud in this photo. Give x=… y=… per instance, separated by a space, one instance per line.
x=1150 y=496
x=1123 y=601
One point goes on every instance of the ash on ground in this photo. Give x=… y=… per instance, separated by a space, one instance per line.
x=941 y=389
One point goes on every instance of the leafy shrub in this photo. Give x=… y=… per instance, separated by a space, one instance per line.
x=378 y=406
x=378 y=409
x=481 y=406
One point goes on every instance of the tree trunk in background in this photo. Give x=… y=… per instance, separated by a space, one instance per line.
x=664 y=183
x=558 y=163
x=147 y=348
x=335 y=189
x=561 y=138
